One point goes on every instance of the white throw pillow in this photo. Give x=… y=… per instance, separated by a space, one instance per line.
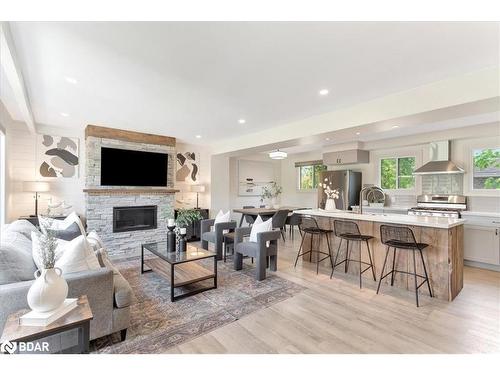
x=95 y=241
x=222 y=218
x=60 y=224
x=71 y=256
x=260 y=226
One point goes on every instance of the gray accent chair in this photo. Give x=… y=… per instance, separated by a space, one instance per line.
x=216 y=236
x=258 y=250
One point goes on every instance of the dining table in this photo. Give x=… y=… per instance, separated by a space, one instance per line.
x=263 y=212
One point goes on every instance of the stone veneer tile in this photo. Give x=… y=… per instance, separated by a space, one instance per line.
x=99 y=208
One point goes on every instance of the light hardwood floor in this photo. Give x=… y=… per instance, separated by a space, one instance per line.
x=335 y=316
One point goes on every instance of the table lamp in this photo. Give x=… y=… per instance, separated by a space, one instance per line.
x=197 y=189
x=36 y=187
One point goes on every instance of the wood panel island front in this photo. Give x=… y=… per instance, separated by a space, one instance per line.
x=444 y=257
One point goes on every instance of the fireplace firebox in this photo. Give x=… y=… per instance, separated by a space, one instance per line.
x=127 y=219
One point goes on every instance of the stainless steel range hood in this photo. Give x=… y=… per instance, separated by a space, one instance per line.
x=440 y=161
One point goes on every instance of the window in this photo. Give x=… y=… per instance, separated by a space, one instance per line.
x=308 y=175
x=397 y=173
x=486 y=171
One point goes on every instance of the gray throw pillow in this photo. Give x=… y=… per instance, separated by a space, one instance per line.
x=68 y=234
x=15 y=265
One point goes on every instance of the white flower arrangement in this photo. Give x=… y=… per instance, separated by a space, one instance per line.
x=330 y=193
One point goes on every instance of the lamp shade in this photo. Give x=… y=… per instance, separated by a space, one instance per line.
x=197 y=188
x=35 y=186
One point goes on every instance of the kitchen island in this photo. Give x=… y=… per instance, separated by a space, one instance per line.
x=444 y=256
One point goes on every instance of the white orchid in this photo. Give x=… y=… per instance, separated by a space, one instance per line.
x=330 y=193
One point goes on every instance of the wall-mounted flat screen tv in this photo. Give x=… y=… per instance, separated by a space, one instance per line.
x=133 y=168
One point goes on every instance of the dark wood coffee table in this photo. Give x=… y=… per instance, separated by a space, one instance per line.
x=180 y=268
x=79 y=318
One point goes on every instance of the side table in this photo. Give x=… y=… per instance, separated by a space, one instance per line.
x=79 y=318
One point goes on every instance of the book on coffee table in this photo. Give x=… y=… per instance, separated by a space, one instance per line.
x=39 y=319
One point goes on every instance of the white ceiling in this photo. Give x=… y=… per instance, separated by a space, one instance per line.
x=188 y=78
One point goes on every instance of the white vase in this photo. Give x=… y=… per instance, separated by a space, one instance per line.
x=274 y=203
x=48 y=291
x=330 y=204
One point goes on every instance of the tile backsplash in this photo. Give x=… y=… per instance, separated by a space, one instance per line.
x=442 y=184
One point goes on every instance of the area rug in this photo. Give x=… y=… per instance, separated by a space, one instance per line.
x=158 y=324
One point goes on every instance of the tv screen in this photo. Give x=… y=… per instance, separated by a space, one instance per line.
x=133 y=168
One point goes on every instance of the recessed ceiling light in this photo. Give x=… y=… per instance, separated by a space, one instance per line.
x=395 y=126
x=323 y=92
x=198 y=136
x=327 y=139
x=64 y=114
x=242 y=120
x=358 y=133
x=71 y=80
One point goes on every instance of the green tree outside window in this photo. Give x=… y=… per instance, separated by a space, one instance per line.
x=309 y=176
x=397 y=173
x=486 y=173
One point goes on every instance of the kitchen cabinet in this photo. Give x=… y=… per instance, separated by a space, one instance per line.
x=346 y=157
x=482 y=240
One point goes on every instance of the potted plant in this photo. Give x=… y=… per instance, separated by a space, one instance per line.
x=331 y=194
x=272 y=191
x=49 y=290
x=185 y=218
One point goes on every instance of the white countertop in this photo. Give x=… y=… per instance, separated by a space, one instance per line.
x=420 y=221
x=481 y=213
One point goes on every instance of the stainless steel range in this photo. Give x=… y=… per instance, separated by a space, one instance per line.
x=439 y=205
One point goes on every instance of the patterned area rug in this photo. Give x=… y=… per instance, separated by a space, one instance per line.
x=158 y=324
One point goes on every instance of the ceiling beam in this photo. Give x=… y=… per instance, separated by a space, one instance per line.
x=12 y=70
x=456 y=91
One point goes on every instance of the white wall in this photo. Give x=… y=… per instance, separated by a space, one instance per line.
x=21 y=166
x=185 y=198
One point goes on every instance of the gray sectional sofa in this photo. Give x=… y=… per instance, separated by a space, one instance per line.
x=108 y=292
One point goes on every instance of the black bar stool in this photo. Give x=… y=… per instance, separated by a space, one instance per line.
x=403 y=238
x=349 y=231
x=309 y=225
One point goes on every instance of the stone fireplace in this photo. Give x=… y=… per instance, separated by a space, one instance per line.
x=126 y=217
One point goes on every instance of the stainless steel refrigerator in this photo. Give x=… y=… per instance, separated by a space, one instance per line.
x=347 y=182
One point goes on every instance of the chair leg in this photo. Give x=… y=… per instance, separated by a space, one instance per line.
x=371 y=262
x=238 y=261
x=360 y=268
x=311 y=253
x=336 y=257
x=415 y=276
x=347 y=256
x=123 y=334
x=393 y=264
x=425 y=271
x=274 y=263
x=383 y=268
x=261 y=268
x=319 y=255
x=282 y=234
x=300 y=249
x=329 y=249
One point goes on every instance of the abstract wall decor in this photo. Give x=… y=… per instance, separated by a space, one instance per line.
x=187 y=167
x=253 y=175
x=57 y=156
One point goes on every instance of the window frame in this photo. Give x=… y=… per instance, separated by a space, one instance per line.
x=299 y=176
x=470 y=180
x=397 y=189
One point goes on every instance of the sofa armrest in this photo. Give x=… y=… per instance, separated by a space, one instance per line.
x=240 y=233
x=206 y=224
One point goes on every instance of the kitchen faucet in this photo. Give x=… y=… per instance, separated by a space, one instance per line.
x=361 y=195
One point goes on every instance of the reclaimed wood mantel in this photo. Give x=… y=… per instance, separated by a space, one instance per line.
x=129 y=136
x=131 y=191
